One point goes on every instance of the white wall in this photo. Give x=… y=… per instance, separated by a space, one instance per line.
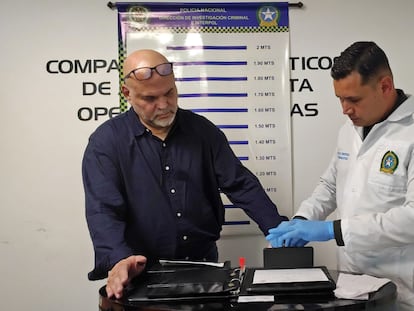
x=45 y=248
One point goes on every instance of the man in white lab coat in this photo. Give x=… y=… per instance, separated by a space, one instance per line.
x=370 y=179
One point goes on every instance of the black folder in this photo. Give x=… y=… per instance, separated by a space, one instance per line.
x=288 y=257
x=302 y=289
x=185 y=283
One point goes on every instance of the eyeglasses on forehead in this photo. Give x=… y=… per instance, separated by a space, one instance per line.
x=144 y=73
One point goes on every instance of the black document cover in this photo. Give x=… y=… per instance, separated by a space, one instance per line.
x=288 y=257
x=288 y=289
x=183 y=283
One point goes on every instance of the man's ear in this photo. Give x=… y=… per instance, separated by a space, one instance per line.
x=387 y=84
x=125 y=91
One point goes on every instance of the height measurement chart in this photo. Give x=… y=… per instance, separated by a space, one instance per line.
x=231 y=63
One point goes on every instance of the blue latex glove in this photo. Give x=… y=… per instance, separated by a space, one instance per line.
x=297 y=243
x=298 y=232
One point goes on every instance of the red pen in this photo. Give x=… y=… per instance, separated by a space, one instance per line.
x=242 y=265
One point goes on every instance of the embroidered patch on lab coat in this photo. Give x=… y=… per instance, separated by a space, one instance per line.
x=389 y=162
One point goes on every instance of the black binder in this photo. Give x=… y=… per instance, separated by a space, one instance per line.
x=185 y=283
x=311 y=289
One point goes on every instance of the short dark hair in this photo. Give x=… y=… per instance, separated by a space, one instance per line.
x=364 y=57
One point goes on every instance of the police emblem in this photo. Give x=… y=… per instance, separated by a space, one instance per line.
x=268 y=16
x=389 y=162
x=138 y=14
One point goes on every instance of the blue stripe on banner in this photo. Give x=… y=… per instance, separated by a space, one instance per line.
x=238 y=142
x=245 y=158
x=237 y=222
x=213 y=95
x=198 y=110
x=221 y=63
x=207 y=47
x=191 y=79
x=232 y=126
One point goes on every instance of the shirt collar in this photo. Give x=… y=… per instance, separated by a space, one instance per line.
x=403 y=108
x=401 y=97
x=135 y=123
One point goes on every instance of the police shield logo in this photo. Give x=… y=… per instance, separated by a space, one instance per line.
x=389 y=162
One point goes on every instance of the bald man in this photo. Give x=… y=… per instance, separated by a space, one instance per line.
x=152 y=178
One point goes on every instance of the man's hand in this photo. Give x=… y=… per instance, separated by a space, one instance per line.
x=298 y=232
x=122 y=273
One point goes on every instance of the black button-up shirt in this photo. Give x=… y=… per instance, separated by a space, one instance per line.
x=161 y=199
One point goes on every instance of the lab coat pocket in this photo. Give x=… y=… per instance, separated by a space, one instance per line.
x=388 y=171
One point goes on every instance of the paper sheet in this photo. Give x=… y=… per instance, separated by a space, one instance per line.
x=185 y=262
x=289 y=275
x=350 y=286
x=256 y=298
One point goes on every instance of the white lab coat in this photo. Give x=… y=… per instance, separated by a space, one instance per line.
x=376 y=208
